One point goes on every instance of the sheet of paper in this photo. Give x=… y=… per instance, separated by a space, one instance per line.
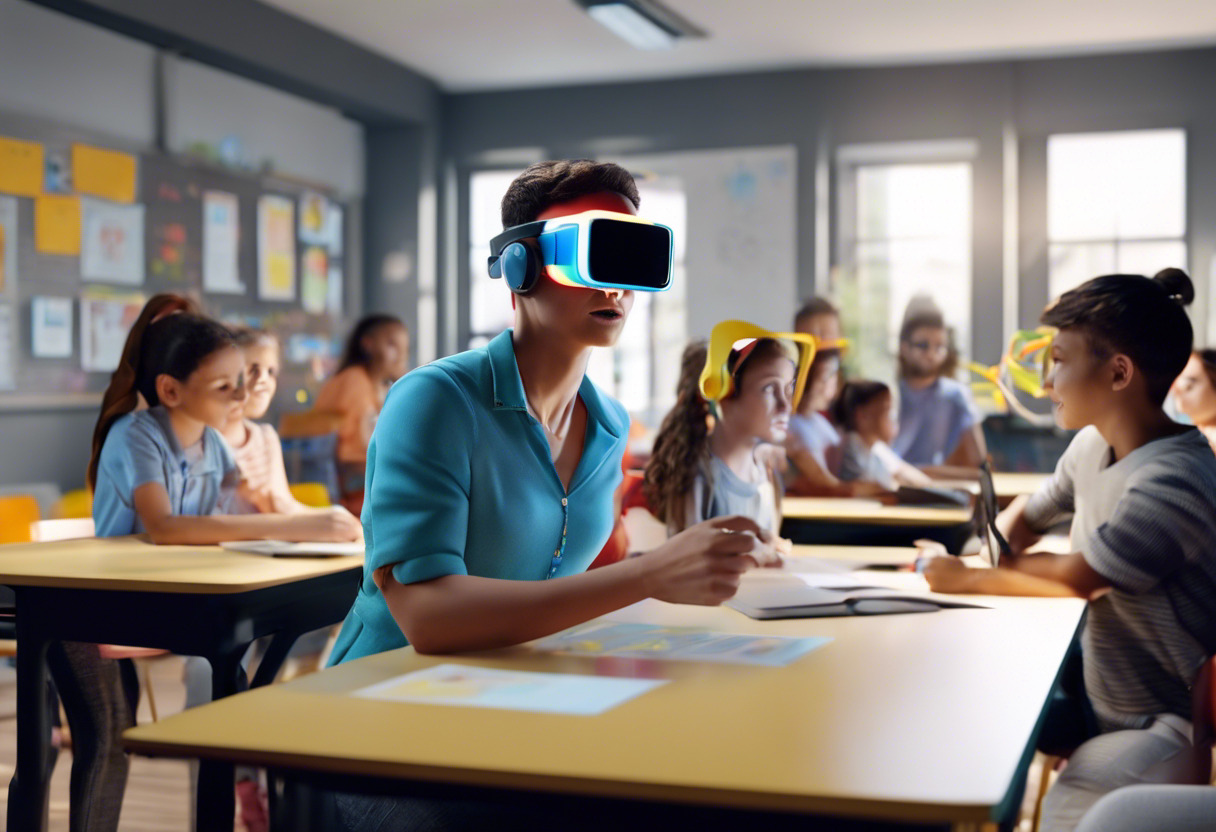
x=650 y=641
x=515 y=690
x=334 y=290
x=108 y=174
x=276 y=249
x=282 y=547
x=314 y=219
x=336 y=229
x=221 y=244
x=8 y=243
x=8 y=355
x=112 y=248
x=51 y=327
x=314 y=280
x=105 y=319
x=57 y=224
x=20 y=167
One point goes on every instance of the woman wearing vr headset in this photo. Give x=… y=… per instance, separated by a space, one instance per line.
x=490 y=475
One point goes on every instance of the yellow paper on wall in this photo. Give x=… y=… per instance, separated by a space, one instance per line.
x=57 y=224
x=20 y=167
x=104 y=173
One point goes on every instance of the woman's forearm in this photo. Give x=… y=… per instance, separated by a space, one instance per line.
x=459 y=613
x=186 y=529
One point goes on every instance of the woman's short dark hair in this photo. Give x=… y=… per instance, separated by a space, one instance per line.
x=1137 y=316
x=355 y=353
x=548 y=183
x=815 y=306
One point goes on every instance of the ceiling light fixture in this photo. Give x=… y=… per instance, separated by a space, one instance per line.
x=644 y=24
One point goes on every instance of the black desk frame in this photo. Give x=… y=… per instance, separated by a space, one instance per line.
x=219 y=627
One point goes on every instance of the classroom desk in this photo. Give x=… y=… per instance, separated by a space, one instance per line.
x=906 y=719
x=862 y=522
x=1009 y=485
x=856 y=557
x=195 y=600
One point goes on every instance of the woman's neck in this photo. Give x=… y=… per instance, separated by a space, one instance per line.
x=735 y=449
x=551 y=372
x=187 y=430
x=236 y=434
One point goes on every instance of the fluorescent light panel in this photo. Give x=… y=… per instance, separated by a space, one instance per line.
x=629 y=24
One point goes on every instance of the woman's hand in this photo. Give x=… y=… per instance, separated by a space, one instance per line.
x=334 y=524
x=703 y=563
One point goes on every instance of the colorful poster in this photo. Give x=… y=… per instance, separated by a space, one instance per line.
x=221 y=244
x=314 y=219
x=514 y=690
x=112 y=249
x=20 y=167
x=105 y=319
x=8 y=243
x=314 y=277
x=57 y=224
x=168 y=257
x=276 y=248
x=51 y=327
x=104 y=173
x=8 y=355
x=649 y=641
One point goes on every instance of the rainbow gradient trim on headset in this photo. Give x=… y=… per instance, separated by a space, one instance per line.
x=596 y=250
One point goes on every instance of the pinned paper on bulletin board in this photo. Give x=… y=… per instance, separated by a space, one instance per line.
x=8 y=356
x=57 y=224
x=314 y=291
x=113 y=247
x=8 y=243
x=51 y=327
x=105 y=319
x=20 y=167
x=276 y=248
x=105 y=173
x=221 y=243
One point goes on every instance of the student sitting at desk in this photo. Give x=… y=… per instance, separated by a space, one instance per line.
x=377 y=354
x=1142 y=491
x=863 y=411
x=697 y=471
x=491 y=473
x=1195 y=392
x=938 y=422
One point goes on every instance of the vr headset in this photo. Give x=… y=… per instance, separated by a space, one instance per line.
x=594 y=249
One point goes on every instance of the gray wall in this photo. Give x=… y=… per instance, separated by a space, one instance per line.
x=817 y=111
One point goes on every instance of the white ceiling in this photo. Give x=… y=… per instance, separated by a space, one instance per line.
x=466 y=45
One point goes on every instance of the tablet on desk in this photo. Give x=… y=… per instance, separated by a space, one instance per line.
x=282 y=548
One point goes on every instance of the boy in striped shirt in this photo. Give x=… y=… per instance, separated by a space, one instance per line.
x=1141 y=490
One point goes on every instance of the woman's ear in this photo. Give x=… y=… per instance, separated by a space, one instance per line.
x=168 y=390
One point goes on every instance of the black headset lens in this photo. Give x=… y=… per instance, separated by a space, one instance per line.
x=630 y=254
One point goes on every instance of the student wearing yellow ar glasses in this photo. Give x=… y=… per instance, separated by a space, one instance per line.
x=719 y=450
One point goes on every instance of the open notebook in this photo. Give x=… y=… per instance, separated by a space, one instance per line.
x=281 y=548
x=834 y=594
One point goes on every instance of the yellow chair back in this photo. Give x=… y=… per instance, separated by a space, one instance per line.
x=76 y=504
x=18 y=514
x=311 y=494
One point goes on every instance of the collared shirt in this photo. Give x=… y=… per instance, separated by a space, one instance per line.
x=140 y=448
x=460 y=481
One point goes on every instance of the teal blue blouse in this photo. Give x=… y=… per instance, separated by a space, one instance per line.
x=460 y=481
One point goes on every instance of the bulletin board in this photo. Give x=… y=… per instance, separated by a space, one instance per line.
x=89 y=230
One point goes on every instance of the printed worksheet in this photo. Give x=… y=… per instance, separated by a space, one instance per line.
x=515 y=690
x=649 y=641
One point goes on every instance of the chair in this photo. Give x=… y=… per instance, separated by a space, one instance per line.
x=74 y=504
x=312 y=494
x=310 y=446
x=18 y=513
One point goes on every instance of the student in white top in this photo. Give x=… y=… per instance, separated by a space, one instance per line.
x=863 y=411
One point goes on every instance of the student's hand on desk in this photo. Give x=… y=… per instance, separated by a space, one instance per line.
x=703 y=563
x=947 y=574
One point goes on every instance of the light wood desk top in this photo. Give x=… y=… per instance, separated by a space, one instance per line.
x=1008 y=484
x=907 y=717
x=870 y=512
x=131 y=563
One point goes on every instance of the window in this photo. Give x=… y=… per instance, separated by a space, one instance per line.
x=1116 y=202
x=905 y=232
x=642 y=371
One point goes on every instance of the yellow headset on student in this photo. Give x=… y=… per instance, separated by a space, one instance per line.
x=717 y=378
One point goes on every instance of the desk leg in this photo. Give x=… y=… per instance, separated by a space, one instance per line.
x=276 y=653
x=215 y=809
x=29 y=791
